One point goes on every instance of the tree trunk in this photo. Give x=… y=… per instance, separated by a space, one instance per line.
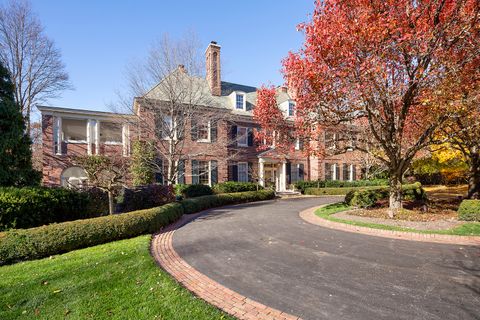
x=395 y=194
x=110 y=202
x=474 y=179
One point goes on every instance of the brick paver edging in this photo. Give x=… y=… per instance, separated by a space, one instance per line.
x=310 y=216
x=205 y=288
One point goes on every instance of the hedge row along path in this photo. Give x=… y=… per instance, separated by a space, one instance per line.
x=265 y=253
x=310 y=216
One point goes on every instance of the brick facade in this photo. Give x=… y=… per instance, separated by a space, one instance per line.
x=233 y=108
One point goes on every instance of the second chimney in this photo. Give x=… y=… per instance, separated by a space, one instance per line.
x=212 y=56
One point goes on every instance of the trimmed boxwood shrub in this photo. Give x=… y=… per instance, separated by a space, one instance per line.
x=233 y=186
x=368 y=197
x=39 y=242
x=206 y=202
x=469 y=210
x=193 y=190
x=303 y=185
x=35 y=206
x=336 y=191
x=145 y=197
x=34 y=243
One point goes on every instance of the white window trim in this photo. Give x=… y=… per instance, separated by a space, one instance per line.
x=209 y=137
x=288 y=109
x=174 y=128
x=238 y=170
x=297 y=144
x=125 y=140
x=246 y=137
x=209 y=171
x=74 y=141
x=244 y=107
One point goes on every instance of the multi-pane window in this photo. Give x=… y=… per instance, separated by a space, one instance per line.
x=291 y=109
x=74 y=130
x=239 y=101
x=330 y=140
x=203 y=129
x=203 y=172
x=110 y=133
x=242 y=171
x=242 y=136
x=165 y=126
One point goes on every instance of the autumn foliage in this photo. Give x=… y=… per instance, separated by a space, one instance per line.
x=383 y=62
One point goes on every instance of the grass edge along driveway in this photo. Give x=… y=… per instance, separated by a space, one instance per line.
x=117 y=280
x=326 y=212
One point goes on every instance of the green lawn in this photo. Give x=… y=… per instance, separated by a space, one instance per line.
x=118 y=280
x=467 y=229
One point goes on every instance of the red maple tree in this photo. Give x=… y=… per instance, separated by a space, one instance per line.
x=381 y=61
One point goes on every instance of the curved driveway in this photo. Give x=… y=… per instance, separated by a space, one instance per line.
x=266 y=252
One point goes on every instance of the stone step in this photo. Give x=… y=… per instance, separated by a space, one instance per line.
x=287 y=194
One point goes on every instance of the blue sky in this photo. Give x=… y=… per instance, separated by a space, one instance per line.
x=99 y=38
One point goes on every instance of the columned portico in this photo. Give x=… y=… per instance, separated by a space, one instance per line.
x=261 y=179
x=272 y=173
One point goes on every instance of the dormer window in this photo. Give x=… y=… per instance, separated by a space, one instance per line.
x=240 y=101
x=291 y=108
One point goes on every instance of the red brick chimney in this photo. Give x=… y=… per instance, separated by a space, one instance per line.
x=212 y=56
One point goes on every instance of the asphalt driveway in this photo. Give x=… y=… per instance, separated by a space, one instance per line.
x=266 y=252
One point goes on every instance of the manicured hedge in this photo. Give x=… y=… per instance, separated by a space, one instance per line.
x=192 y=190
x=34 y=243
x=469 y=210
x=35 y=206
x=206 y=202
x=336 y=191
x=368 y=197
x=233 y=186
x=27 y=244
x=145 y=197
x=303 y=185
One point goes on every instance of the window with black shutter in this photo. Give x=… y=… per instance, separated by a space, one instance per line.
x=233 y=132
x=194 y=129
x=250 y=137
x=159 y=178
x=234 y=169
x=213 y=172
x=181 y=172
x=213 y=131
x=346 y=171
x=250 y=171
x=289 y=173
x=301 y=170
x=180 y=126
x=195 y=179
x=328 y=171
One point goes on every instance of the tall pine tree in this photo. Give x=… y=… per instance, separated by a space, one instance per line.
x=15 y=152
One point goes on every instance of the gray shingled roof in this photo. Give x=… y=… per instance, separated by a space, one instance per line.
x=200 y=86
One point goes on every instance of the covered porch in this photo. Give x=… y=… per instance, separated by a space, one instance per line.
x=278 y=172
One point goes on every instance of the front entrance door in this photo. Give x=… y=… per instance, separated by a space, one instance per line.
x=270 y=177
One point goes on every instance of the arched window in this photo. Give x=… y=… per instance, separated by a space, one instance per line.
x=74 y=177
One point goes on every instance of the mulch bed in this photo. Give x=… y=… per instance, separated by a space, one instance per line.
x=438 y=215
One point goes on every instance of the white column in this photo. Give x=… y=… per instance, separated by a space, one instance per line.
x=351 y=173
x=89 y=136
x=283 y=177
x=59 y=135
x=260 y=172
x=97 y=137
x=334 y=172
x=125 y=140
